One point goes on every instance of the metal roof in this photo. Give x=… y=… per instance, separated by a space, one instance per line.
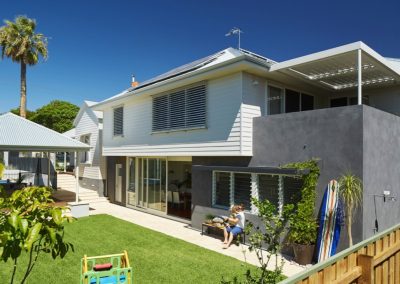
x=197 y=64
x=20 y=134
x=336 y=68
x=226 y=55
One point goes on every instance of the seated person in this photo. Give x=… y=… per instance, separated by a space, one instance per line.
x=236 y=225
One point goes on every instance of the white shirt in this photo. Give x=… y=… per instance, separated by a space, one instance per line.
x=241 y=219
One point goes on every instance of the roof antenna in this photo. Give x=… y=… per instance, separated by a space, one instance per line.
x=235 y=31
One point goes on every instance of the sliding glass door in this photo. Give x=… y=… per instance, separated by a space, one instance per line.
x=152 y=183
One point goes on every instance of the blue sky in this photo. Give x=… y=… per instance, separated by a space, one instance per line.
x=95 y=46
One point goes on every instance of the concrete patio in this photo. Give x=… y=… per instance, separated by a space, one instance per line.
x=179 y=230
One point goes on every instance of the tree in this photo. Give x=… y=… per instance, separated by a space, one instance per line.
x=57 y=115
x=19 y=42
x=30 y=223
x=351 y=191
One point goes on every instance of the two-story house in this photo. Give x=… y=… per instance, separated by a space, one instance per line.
x=216 y=132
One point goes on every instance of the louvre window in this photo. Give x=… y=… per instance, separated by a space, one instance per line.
x=118 y=121
x=242 y=192
x=222 y=189
x=237 y=188
x=182 y=109
x=268 y=188
x=292 y=189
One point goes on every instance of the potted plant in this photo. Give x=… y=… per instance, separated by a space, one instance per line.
x=303 y=224
x=209 y=219
x=351 y=192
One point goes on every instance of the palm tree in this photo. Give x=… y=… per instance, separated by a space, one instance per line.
x=351 y=191
x=19 y=42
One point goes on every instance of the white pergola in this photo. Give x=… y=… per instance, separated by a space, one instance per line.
x=20 y=134
x=349 y=66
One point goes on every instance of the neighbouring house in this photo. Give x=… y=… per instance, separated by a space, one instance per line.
x=216 y=131
x=88 y=127
x=28 y=150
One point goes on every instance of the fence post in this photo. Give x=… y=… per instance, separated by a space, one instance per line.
x=367 y=265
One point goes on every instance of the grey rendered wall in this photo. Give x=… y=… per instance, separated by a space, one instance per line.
x=332 y=135
x=381 y=169
x=111 y=162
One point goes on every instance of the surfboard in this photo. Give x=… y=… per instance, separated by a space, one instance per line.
x=329 y=223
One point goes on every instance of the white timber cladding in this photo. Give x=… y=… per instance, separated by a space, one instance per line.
x=228 y=130
x=88 y=126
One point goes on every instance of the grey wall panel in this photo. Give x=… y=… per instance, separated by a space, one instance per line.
x=332 y=135
x=381 y=169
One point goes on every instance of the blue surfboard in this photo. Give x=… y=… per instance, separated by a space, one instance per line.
x=329 y=222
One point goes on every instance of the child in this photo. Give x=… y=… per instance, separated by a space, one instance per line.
x=236 y=225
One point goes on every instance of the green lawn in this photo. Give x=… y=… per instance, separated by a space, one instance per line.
x=155 y=257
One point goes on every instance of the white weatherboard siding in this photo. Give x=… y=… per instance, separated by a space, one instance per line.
x=222 y=137
x=88 y=124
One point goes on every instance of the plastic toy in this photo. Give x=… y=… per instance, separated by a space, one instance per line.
x=96 y=269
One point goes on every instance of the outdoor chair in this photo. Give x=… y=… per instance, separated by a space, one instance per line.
x=176 y=199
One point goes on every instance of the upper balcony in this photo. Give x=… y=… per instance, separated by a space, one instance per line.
x=347 y=75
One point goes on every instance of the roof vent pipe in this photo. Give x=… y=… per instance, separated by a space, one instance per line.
x=134 y=84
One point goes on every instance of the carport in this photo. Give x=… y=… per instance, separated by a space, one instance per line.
x=20 y=134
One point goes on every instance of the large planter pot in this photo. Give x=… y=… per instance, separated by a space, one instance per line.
x=303 y=254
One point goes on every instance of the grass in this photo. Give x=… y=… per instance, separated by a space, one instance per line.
x=155 y=257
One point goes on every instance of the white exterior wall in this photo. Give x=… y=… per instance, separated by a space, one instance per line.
x=228 y=122
x=95 y=167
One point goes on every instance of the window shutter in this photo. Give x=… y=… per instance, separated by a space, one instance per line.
x=242 y=189
x=180 y=110
x=119 y=121
x=177 y=110
x=196 y=106
x=222 y=188
x=268 y=188
x=292 y=189
x=160 y=113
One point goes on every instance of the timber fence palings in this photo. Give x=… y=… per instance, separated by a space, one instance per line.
x=375 y=260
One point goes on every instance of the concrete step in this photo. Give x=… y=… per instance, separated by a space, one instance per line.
x=88 y=194
x=95 y=200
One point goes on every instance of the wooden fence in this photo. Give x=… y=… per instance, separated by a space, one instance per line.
x=375 y=260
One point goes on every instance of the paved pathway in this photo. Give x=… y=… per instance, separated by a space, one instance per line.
x=184 y=232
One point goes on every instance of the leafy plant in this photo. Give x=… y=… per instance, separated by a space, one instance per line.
x=303 y=229
x=275 y=228
x=30 y=223
x=209 y=216
x=2 y=167
x=351 y=192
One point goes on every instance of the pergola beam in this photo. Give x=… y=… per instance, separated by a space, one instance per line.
x=359 y=77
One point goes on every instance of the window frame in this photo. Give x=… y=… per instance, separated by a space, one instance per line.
x=86 y=153
x=283 y=89
x=254 y=190
x=175 y=91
